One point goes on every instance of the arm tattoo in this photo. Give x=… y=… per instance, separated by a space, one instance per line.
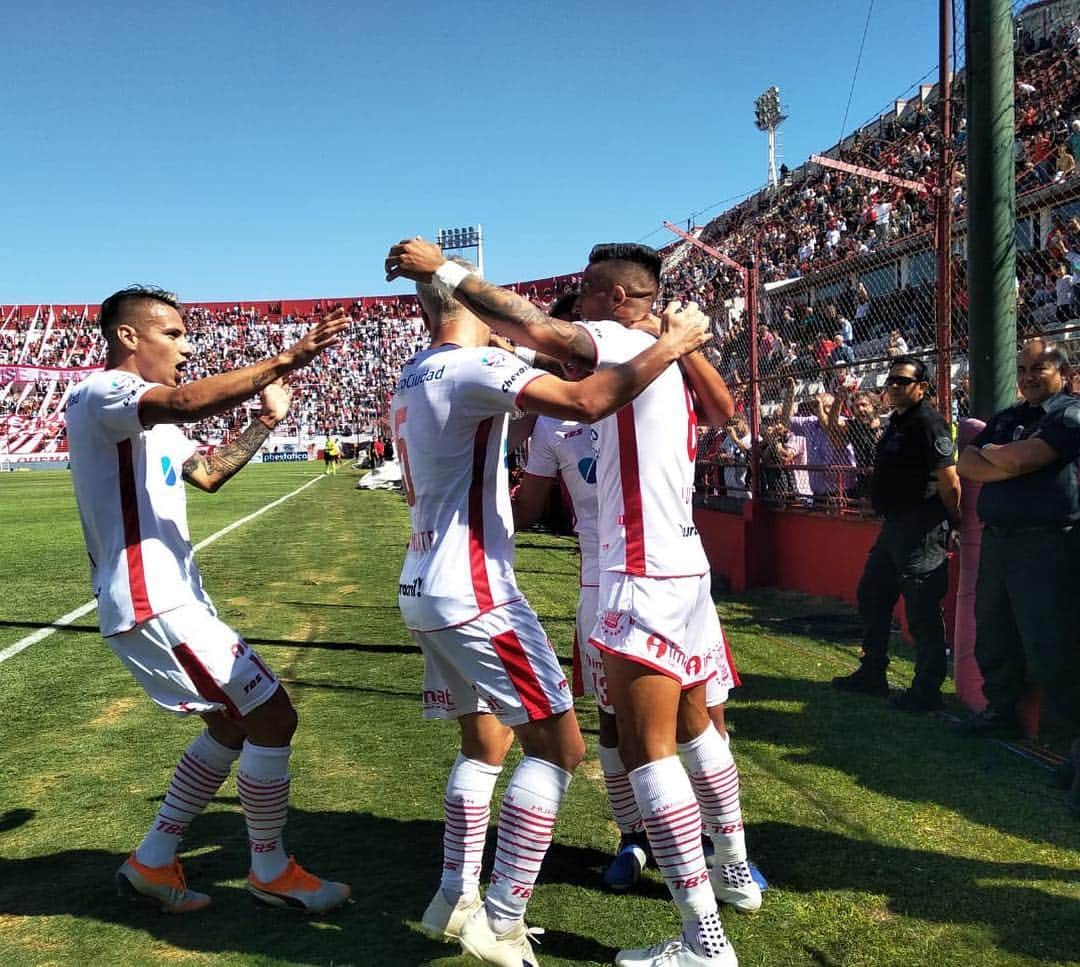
x=262 y=379
x=516 y=316
x=225 y=461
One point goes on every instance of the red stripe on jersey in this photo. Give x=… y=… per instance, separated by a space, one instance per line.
x=129 y=508
x=633 y=519
x=477 y=558
x=511 y=653
x=203 y=681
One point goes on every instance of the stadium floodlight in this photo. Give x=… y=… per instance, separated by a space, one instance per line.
x=768 y=116
x=455 y=239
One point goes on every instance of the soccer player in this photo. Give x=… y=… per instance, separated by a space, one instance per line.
x=658 y=630
x=488 y=663
x=127 y=462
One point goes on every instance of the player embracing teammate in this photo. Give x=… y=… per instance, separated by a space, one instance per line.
x=657 y=628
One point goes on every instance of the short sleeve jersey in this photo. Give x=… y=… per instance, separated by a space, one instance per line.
x=1047 y=495
x=915 y=445
x=130 y=493
x=449 y=414
x=645 y=469
x=563 y=449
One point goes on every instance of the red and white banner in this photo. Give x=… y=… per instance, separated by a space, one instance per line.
x=28 y=374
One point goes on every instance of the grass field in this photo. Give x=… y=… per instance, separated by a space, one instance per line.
x=886 y=839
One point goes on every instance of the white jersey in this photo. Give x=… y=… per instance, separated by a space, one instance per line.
x=132 y=504
x=450 y=413
x=645 y=469
x=564 y=449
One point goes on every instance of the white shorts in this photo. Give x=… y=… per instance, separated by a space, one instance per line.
x=668 y=624
x=500 y=662
x=588 y=659
x=188 y=660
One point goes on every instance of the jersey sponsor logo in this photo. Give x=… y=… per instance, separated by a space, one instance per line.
x=587 y=468
x=509 y=381
x=688 y=530
x=495 y=360
x=75 y=397
x=416 y=379
x=570 y=434
x=168 y=471
x=414 y=589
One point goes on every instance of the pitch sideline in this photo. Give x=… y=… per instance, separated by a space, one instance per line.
x=72 y=616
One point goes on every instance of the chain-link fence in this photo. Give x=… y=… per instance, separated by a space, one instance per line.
x=847 y=262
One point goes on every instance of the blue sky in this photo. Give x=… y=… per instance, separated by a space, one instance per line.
x=249 y=150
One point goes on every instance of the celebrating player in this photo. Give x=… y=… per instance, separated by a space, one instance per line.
x=658 y=631
x=488 y=663
x=127 y=461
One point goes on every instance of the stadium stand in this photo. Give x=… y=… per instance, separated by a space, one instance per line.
x=836 y=253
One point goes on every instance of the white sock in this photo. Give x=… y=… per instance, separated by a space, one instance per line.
x=467 y=810
x=199 y=774
x=526 y=823
x=715 y=779
x=673 y=824
x=262 y=779
x=620 y=793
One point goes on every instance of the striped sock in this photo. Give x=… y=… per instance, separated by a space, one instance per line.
x=715 y=779
x=620 y=793
x=199 y=774
x=468 y=809
x=526 y=823
x=673 y=824
x=262 y=779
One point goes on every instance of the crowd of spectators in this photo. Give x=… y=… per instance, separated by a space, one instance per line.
x=815 y=218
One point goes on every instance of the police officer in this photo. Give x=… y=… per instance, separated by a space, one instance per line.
x=916 y=488
x=1027 y=609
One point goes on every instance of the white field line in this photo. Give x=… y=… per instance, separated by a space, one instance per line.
x=72 y=616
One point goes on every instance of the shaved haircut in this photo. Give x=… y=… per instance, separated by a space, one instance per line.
x=633 y=266
x=114 y=308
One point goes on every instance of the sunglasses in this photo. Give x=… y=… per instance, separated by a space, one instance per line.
x=900 y=380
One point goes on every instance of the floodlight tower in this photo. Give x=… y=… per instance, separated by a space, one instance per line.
x=768 y=117
x=456 y=239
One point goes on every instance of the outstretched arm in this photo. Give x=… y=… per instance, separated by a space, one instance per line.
x=208 y=397
x=788 y=407
x=211 y=472
x=601 y=394
x=510 y=314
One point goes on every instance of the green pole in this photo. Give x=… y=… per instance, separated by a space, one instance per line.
x=991 y=191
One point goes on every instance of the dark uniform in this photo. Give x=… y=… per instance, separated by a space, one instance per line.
x=910 y=555
x=1027 y=604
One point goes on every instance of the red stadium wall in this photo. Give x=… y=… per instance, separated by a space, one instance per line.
x=824 y=556
x=764 y=547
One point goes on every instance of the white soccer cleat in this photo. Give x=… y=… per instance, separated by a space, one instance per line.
x=733 y=884
x=674 y=953
x=510 y=949
x=441 y=921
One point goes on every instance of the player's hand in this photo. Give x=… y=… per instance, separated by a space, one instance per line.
x=275 y=399
x=500 y=342
x=413 y=258
x=685 y=328
x=319 y=337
